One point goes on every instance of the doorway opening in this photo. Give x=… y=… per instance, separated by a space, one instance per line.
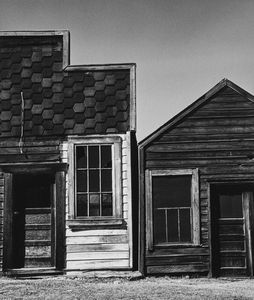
x=232 y=229
x=33 y=234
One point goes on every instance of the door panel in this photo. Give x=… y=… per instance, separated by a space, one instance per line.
x=38 y=237
x=231 y=242
x=33 y=224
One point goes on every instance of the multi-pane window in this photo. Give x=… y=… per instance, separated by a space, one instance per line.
x=94 y=180
x=172 y=209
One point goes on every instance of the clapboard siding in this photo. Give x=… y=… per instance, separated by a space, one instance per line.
x=218 y=139
x=100 y=248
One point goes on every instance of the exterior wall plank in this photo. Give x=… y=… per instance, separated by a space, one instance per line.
x=100 y=248
x=218 y=139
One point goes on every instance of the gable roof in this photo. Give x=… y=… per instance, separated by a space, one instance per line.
x=177 y=118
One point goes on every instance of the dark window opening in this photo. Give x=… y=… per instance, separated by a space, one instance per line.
x=94 y=181
x=172 y=209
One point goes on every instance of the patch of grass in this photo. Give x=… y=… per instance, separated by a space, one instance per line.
x=117 y=288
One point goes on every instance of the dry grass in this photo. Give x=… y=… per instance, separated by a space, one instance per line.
x=149 y=288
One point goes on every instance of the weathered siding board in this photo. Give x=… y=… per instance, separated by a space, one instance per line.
x=99 y=248
x=1 y=218
x=32 y=151
x=218 y=139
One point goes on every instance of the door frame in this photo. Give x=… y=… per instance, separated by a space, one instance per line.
x=250 y=222
x=58 y=170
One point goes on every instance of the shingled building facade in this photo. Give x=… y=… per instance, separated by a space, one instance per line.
x=67 y=146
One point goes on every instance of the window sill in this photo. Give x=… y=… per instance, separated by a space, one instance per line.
x=180 y=245
x=96 y=223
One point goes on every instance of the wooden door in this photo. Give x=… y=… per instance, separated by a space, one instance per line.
x=33 y=222
x=232 y=231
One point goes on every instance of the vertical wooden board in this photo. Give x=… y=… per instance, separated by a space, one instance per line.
x=1 y=219
x=7 y=243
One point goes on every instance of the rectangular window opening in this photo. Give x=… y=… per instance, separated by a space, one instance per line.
x=172 y=197
x=93 y=180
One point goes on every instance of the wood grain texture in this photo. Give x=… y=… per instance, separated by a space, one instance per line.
x=218 y=139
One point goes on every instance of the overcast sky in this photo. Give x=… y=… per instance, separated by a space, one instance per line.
x=182 y=48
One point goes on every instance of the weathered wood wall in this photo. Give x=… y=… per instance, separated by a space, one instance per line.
x=101 y=248
x=1 y=218
x=218 y=139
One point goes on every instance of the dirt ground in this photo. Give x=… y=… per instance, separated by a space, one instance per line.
x=115 y=288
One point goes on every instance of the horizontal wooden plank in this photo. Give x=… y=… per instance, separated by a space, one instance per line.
x=95 y=265
x=29 y=150
x=213 y=130
x=97 y=247
x=217 y=122
x=39 y=251
x=36 y=243
x=38 y=262
x=220 y=137
x=37 y=234
x=176 y=260
x=31 y=143
x=179 y=251
x=107 y=239
x=38 y=218
x=9 y=158
x=70 y=233
x=177 y=269
x=194 y=163
x=98 y=255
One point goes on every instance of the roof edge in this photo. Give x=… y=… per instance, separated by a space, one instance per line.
x=178 y=117
x=29 y=33
x=100 y=67
x=33 y=32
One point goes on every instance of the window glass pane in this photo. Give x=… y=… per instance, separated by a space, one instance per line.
x=172 y=191
x=159 y=226
x=93 y=154
x=107 y=208
x=173 y=225
x=231 y=206
x=106 y=180
x=185 y=228
x=81 y=156
x=94 y=181
x=81 y=181
x=94 y=204
x=106 y=157
x=82 y=205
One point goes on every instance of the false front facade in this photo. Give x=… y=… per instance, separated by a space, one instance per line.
x=67 y=147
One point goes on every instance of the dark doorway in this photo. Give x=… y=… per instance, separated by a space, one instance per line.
x=231 y=220
x=33 y=221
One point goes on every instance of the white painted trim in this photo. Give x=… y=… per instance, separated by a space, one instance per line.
x=129 y=185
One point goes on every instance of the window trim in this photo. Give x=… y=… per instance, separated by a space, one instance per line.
x=195 y=221
x=116 y=218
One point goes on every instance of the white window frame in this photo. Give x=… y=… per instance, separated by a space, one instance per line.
x=195 y=212
x=116 y=218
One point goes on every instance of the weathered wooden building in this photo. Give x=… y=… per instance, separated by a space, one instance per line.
x=196 y=188
x=67 y=147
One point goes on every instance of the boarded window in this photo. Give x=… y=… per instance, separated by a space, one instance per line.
x=172 y=209
x=94 y=180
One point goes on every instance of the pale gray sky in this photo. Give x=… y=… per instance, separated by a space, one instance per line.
x=182 y=47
